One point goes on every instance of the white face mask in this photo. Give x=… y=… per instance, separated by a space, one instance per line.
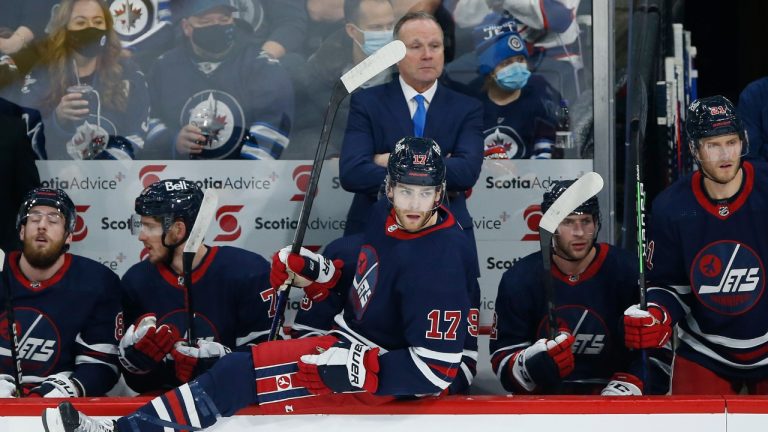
x=373 y=39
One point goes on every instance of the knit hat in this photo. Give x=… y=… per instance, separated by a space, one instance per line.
x=496 y=42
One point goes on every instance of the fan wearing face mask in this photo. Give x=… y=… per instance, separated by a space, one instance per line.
x=93 y=102
x=214 y=96
x=519 y=120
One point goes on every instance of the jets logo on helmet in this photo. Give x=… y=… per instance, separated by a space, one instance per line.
x=713 y=116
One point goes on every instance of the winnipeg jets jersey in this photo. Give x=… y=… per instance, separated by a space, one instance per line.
x=707 y=268
x=409 y=296
x=591 y=305
x=244 y=102
x=66 y=324
x=231 y=297
x=317 y=318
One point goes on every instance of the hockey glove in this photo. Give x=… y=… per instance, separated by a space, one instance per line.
x=343 y=367
x=144 y=345
x=313 y=272
x=623 y=384
x=7 y=386
x=646 y=329
x=545 y=363
x=58 y=386
x=191 y=361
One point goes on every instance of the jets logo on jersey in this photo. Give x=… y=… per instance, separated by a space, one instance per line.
x=220 y=116
x=503 y=142
x=39 y=342
x=366 y=276
x=204 y=328
x=728 y=277
x=586 y=326
x=132 y=18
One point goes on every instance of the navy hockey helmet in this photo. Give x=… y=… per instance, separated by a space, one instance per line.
x=713 y=116
x=590 y=206
x=55 y=198
x=416 y=161
x=170 y=200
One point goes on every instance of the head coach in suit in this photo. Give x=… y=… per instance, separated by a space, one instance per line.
x=379 y=116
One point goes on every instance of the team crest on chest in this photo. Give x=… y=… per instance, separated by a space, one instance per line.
x=728 y=277
x=365 y=281
x=587 y=326
x=39 y=342
x=503 y=142
x=219 y=115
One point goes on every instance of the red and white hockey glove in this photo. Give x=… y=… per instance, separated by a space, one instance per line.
x=646 y=329
x=623 y=384
x=545 y=363
x=191 y=361
x=343 y=367
x=144 y=345
x=313 y=272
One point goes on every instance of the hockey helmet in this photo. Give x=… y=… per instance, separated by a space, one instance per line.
x=713 y=116
x=590 y=206
x=170 y=200
x=55 y=198
x=416 y=161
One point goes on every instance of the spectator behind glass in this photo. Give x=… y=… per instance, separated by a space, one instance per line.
x=368 y=27
x=18 y=172
x=519 y=108
x=67 y=303
x=279 y=26
x=23 y=22
x=214 y=96
x=753 y=110
x=93 y=103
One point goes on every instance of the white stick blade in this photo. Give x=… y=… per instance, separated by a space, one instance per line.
x=373 y=65
x=203 y=220
x=2 y=259
x=581 y=190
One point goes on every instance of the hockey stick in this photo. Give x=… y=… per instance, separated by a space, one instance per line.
x=195 y=239
x=581 y=190
x=373 y=65
x=10 y=318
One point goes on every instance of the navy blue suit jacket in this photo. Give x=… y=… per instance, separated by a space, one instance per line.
x=379 y=117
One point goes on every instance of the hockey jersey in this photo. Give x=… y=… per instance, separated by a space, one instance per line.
x=591 y=305
x=409 y=296
x=707 y=269
x=119 y=133
x=248 y=98
x=231 y=296
x=317 y=318
x=67 y=324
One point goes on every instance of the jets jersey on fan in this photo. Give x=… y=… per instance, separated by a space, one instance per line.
x=524 y=128
x=316 y=318
x=66 y=324
x=409 y=296
x=245 y=100
x=707 y=268
x=108 y=132
x=591 y=305
x=231 y=295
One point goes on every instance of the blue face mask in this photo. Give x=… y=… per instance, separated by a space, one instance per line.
x=373 y=40
x=513 y=77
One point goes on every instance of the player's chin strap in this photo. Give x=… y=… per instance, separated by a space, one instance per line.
x=167 y=221
x=432 y=212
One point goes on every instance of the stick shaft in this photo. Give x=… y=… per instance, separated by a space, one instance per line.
x=10 y=317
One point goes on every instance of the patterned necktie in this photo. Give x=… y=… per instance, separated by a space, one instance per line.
x=420 y=116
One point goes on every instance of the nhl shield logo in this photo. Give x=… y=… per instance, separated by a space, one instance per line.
x=727 y=277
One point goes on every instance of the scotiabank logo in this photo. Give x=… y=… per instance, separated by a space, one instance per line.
x=532 y=216
x=301 y=176
x=81 y=229
x=148 y=174
x=228 y=223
